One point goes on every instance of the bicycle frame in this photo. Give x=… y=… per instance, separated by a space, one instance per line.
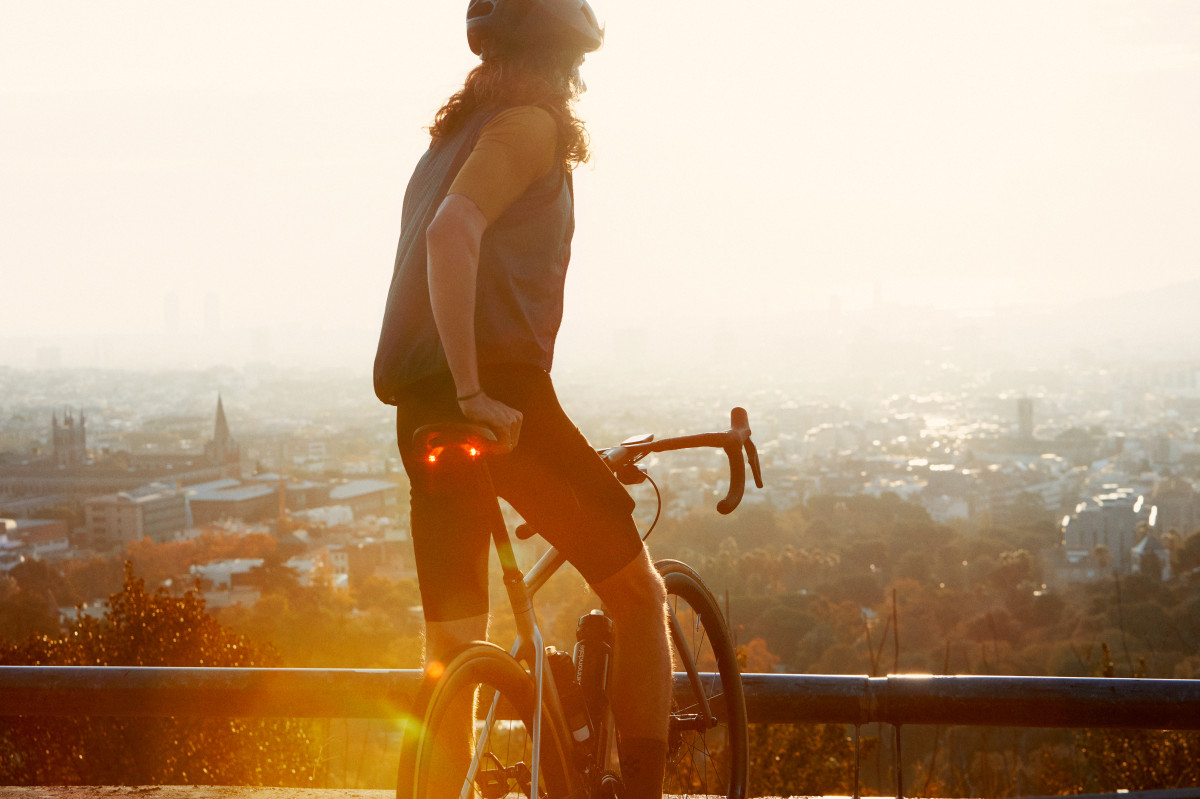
x=529 y=647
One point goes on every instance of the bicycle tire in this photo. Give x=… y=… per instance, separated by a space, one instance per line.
x=481 y=665
x=715 y=762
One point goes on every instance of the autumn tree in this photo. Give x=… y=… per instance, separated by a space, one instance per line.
x=1145 y=759
x=1187 y=556
x=150 y=629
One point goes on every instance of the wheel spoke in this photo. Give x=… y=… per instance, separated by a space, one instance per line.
x=442 y=754
x=704 y=760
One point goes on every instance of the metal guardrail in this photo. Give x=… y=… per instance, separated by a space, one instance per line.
x=770 y=698
x=898 y=700
x=991 y=701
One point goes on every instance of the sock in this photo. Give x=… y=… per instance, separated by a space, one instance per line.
x=643 y=761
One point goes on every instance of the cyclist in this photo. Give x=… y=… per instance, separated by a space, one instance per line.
x=468 y=334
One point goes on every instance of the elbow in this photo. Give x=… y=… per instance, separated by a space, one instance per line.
x=440 y=235
x=458 y=224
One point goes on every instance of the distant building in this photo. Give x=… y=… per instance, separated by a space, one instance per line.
x=70 y=441
x=298 y=495
x=156 y=511
x=390 y=559
x=1025 y=419
x=1110 y=521
x=237 y=581
x=37 y=539
x=944 y=509
x=69 y=477
x=44 y=539
x=328 y=516
x=1150 y=547
x=1178 y=506
x=336 y=561
x=367 y=497
x=11 y=550
x=231 y=499
x=1165 y=450
x=226 y=583
x=227 y=574
x=1045 y=481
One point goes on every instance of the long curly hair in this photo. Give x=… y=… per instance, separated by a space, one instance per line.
x=546 y=77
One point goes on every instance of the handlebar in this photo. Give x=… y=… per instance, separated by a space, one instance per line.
x=621 y=459
x=475 y=441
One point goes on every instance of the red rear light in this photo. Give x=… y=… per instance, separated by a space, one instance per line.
x=436 y=448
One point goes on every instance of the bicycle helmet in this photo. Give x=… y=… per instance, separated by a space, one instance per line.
x=529 y=22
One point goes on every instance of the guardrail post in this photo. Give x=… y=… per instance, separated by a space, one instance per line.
x=857 y=761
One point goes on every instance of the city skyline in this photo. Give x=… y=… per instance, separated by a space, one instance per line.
x=1129 y=325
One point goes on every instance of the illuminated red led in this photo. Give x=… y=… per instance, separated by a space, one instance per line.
x=434 y=454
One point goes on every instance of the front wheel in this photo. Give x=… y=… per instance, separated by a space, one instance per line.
x=482 y=702
x=712 y=761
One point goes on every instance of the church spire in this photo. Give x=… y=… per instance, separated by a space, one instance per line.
x=223 y=451
x=221 y=433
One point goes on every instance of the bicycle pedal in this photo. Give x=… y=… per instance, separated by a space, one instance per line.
x=492 y=787
x=610 y=786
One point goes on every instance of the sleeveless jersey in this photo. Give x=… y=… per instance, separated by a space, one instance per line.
x=522 y=271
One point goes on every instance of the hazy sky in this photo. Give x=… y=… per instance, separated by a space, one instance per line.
x=243 y=163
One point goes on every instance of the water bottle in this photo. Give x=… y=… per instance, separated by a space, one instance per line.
x=593 y=654
x=573 y=704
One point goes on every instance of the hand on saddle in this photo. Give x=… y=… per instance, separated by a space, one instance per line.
x=504 y=421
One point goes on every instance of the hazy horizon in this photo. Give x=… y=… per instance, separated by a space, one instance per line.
x=1126 y=326
x=221 y=184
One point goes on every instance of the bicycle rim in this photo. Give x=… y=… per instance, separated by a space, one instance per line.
x=711 y=762
x=437 y=760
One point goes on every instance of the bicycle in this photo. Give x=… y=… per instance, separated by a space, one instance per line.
x=568 y=749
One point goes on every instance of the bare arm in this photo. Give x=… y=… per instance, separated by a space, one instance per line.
x=452 y=240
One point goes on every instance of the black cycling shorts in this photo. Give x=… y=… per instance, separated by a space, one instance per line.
x=553 y=478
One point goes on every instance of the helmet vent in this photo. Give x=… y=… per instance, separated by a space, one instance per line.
x=480 y=9
x=587 y=13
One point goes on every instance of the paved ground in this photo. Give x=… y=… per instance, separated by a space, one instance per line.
x=221 y=792
x=192 y=792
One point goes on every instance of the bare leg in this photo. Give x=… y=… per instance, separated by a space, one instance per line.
x=641 y=682
x=443 y=637
x=441 y=640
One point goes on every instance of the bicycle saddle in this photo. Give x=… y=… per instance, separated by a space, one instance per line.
x=473 y=440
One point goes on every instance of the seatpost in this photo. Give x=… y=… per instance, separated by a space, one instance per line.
x=514 y=579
